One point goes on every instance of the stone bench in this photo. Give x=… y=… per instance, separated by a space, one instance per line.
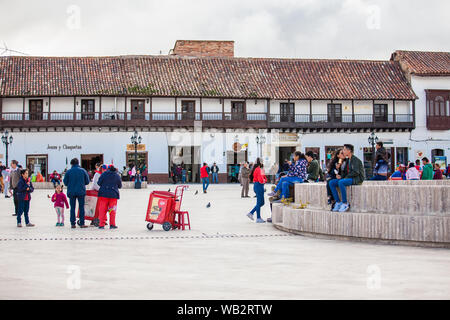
x=49 y=185
x=395 y=212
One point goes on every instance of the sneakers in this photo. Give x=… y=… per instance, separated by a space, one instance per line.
x=30 y=225
x=73 y=226
x=61 y=224
x=337 y=206
x=250 y=216
x=259 y=220
x=269 y=220
x=344 y=207
x=113 y=227
x=101 y=228
x=58 y=224
x=19 y=225
x=272 y=194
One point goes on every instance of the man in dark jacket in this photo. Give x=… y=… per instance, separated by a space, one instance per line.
x=353 y=174
x=76 y=179
x=215 y=173
x=13 y=181
x=313 y=167
x=109 y=183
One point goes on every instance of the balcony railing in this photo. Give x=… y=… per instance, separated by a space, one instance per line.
x=341 y=121
x=438 y=122
x=220 y=119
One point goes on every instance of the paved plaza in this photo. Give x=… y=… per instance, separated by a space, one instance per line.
x=224 y=256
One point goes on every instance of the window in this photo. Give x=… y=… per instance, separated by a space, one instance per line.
x=137 y=109
x=87 y=109
x=334 y=112
x=36 y=109
x=286 y=112
x=187 y=110
x=237 y=110
x=380 y=112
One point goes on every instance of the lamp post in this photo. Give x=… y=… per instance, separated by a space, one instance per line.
x=260 y=140
x=135 y=139
x=373 y=139
x=7 y=140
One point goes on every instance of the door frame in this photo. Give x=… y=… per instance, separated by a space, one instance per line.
x=38 y=155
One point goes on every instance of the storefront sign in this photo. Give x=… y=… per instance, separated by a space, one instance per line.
x=64 y=147
x=287 y=137
x=140 y=147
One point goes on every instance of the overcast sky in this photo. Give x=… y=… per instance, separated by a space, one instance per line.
x=353 y=29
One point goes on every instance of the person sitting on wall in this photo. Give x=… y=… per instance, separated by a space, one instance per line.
x=381 y=168
x=55 y=178
x=353 y=174
x=313 y=167
x=335 y=169
x=39 y=177
x=297 y=174
x=427 y=173
x=400 y=174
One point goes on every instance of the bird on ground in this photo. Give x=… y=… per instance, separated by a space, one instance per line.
x=168 y=190
x=208 y=205
x=196 y=192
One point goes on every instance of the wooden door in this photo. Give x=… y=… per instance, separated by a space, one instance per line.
x=36 y=109
x=237 y=110
x=137 y=109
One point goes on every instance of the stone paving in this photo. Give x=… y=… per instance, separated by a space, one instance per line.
x=224 y=256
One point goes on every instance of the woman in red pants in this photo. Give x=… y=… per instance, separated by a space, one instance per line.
x=108 y=194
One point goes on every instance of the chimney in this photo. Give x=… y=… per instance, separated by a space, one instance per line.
x=204 y=48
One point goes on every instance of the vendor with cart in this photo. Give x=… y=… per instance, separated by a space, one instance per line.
x=109 y=183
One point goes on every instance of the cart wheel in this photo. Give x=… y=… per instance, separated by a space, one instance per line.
x=96 y=222
x=78 y=223
x=150 y=226
x=167 y=226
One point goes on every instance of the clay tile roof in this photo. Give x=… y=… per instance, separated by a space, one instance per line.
x=424 y=63
x=207 y=77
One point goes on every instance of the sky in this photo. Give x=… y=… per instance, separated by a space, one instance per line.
x=341 y=29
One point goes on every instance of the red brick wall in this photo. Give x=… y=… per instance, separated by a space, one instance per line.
x=204 y=48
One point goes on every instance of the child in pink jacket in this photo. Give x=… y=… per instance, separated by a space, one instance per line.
x=60 y=199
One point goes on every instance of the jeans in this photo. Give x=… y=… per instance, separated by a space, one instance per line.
x=284 y=184
x=24 y=207
x=378 y=177
x=259 y=190
x=55 y=182
x=342 y=183
x=73 y=217
x=183 y=178
x=6 y=188
x=215 y=177
x=16 y=202
x=205 y=182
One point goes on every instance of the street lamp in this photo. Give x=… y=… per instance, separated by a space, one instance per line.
x=135 y=139
x=373 y=139
x=260 y=140
x=7 y=141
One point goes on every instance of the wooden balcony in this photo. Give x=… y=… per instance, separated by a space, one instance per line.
x=438 y=122
x=357 y=121
x=122 y=119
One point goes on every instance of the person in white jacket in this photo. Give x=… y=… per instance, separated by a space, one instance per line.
x=412 y=173
x=99 y=169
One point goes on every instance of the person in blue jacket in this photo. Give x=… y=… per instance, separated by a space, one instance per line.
x=400 y=174
x=76 y=180
x=24 y=190
x=109 y=183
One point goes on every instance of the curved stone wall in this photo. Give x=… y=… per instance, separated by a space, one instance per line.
x=395 y=212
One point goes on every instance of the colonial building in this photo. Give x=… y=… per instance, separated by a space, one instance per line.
x=200 y=103
x=429 y=76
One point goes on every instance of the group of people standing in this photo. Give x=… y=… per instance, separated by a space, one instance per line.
x=106 y=182
x=411 y=171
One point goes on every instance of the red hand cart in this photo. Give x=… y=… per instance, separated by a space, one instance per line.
x=90 y=207
x=162 y=208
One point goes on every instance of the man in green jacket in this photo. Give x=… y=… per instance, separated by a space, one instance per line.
x=353 y=175
x=313 y=167
x=428 y=171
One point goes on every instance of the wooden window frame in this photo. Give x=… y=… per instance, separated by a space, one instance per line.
x=332 y=116
x=188 y=114
x=33 y=114
x=238 y=116
x=87 y=114
x=137 y=115
x=380 y=116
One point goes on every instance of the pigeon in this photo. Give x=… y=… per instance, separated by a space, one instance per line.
x=208 y=205
x=196 y=192
x=168 y=190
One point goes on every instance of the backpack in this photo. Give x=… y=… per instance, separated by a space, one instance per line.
x=321 y=175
